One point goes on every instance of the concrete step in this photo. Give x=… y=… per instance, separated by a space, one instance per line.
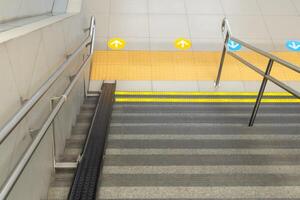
x=85 y=117
x=81 y=128
x=199 y=192
x=201 y=160
x=238 y=118
x=58 y=192
x=204 y=144
x=202 y=128
x=88 y=107
x=75 y=143
x=204 y=108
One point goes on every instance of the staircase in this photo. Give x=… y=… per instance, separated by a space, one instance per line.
x=189 y=150
x=63 y=178
x=201 y=150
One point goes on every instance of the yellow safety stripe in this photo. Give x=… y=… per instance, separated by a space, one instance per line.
x=136 y=93
x=176 y=100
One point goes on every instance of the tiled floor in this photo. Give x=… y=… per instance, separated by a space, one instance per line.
x=155 y=24
x=184 y=66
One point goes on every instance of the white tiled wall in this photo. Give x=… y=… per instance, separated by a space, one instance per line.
x=155 y=24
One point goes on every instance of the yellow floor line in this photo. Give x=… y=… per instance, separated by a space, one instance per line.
x=174 y=100
x=144 y=93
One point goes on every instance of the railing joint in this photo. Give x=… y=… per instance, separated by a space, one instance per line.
x=86 y=30
x=71 y=77
x=88 y=44
x=33 y=132
x=23 y=100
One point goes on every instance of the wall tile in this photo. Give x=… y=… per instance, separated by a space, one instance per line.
x=73 y=33
x=10 y=96
x=37 y=171
x=23 y=54
x=40 y=71
x=56 y=54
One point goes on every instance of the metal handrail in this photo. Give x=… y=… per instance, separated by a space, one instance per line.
x=17 y=117
x=17 y=171
x=226 y=30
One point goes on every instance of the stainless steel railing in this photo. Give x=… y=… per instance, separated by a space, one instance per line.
x=15 y=120
x=226 y=30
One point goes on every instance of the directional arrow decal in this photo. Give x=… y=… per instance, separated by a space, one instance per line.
x=293 y=45
x=116 y=43
x=233 y=46
x=182 y=44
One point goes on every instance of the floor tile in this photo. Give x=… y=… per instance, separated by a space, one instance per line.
x=283 y=27
x=168 y=26
x=240 y=7
x=167 y=7
x=205 y=26
x=248 y=27
x=128 y=26
x=277 y=7
x=129 y=6
x=204 y=7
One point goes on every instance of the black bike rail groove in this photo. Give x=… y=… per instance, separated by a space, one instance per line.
x=85 y=181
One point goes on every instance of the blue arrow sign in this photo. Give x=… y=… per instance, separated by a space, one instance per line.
x=234 y=46
x=293 y=45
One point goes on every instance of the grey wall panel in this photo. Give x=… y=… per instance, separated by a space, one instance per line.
x=28 y=62
x=14 y=9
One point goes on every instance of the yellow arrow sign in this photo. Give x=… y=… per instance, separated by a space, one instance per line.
x=116 y=43
x=182 y=44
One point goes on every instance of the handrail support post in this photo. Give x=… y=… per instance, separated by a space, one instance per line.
x=261 y=93
x=53 y=102
x=217 y=82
